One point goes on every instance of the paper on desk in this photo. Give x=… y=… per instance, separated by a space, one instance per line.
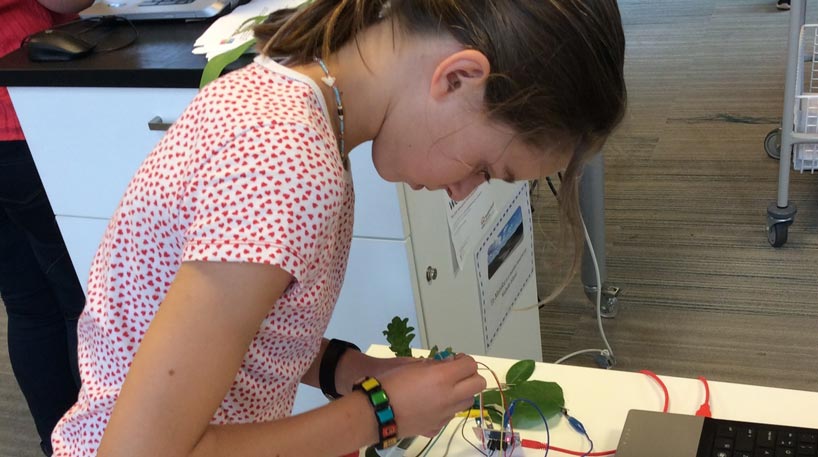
x=235 y=29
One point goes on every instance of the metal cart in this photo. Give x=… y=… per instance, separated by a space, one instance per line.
x=796 y=142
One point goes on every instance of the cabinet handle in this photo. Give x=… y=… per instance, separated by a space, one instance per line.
x=157 y=124
x=431 y=274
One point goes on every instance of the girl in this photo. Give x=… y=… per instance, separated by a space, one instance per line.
x=216 y=278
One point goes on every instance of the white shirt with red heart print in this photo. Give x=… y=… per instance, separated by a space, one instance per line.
x=250 y=172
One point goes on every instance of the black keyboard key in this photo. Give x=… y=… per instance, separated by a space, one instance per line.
x=721 y=453
x=742 y=454
x=806 y=449
x=766 y=438
x=785 y=452
x=745 y=439
x=724 y=443
x=785 y=441
x=808 y=438
x=726 y=430
x=765 y=452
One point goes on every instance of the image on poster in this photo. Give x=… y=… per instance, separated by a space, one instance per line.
x=505 y=263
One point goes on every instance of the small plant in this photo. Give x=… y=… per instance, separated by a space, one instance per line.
x=399 y=335
x=547 y=396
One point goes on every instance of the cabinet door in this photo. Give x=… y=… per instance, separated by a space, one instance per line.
x=88 y=142
x=451 y=302
x=82 y=237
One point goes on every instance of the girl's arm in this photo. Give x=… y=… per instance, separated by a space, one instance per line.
x=352 y=366
x=195 y=345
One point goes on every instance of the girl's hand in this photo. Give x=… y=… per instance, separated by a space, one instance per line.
x=425 y=395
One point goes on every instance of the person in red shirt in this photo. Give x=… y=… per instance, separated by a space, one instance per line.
x=38 y=284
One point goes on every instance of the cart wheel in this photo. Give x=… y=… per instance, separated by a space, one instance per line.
x=777 y=234
x=772 y=144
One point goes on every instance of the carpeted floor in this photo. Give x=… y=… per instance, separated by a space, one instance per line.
x=687 y=186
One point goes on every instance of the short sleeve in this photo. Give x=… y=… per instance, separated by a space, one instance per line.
x=271 y=195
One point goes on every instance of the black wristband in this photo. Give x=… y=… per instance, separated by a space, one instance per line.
x=329 y=362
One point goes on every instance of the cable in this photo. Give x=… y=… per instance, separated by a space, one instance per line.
x=608 y=352
x=428 y=444
x=432 y=442
x=661 y=384
x=579 y=428
x=704 y=409
x=510 y=412
x=574 y=354
x=534 y=444
x=502 y=399
x=551 y=185
x=463 y=434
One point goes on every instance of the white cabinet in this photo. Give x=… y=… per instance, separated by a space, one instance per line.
x=88 y=142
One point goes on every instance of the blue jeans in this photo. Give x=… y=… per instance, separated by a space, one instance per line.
x=40 y=290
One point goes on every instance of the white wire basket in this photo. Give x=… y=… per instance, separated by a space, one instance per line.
x=805 y=156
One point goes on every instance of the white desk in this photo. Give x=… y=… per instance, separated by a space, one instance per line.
x=601 y=399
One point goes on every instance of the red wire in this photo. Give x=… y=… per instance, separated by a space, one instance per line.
x=533 y=444
x=704 y=409
x=662 y=385
x=706 y=389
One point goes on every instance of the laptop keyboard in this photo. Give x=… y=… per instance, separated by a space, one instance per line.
x=723 y=438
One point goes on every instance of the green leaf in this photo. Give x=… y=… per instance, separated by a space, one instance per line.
x=214 y=67
x=547 y=396
x=520 y=372
x=400 y=336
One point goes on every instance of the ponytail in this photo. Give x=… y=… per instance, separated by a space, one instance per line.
x=316 y=29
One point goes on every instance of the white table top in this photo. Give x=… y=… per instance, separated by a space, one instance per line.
x=601 y=399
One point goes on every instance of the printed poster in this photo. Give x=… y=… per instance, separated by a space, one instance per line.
x=505 y=263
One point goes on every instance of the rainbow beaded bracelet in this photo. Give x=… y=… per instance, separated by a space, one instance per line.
x=387 y=428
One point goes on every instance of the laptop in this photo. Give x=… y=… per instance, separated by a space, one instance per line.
x=656 y=434
x=135 y=10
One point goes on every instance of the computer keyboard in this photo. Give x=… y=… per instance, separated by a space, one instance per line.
x=724 y=438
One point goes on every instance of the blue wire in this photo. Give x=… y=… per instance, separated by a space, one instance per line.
x=510 y=412
x=592 y=446
x=577 y=425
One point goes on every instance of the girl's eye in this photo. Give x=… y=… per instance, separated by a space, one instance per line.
x=486 y=175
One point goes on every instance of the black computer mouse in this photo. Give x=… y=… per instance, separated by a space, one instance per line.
x=56 y=45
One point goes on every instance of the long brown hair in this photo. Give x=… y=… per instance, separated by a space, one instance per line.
x=557 y=65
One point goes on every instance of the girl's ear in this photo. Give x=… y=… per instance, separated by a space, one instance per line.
x=467 y=69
